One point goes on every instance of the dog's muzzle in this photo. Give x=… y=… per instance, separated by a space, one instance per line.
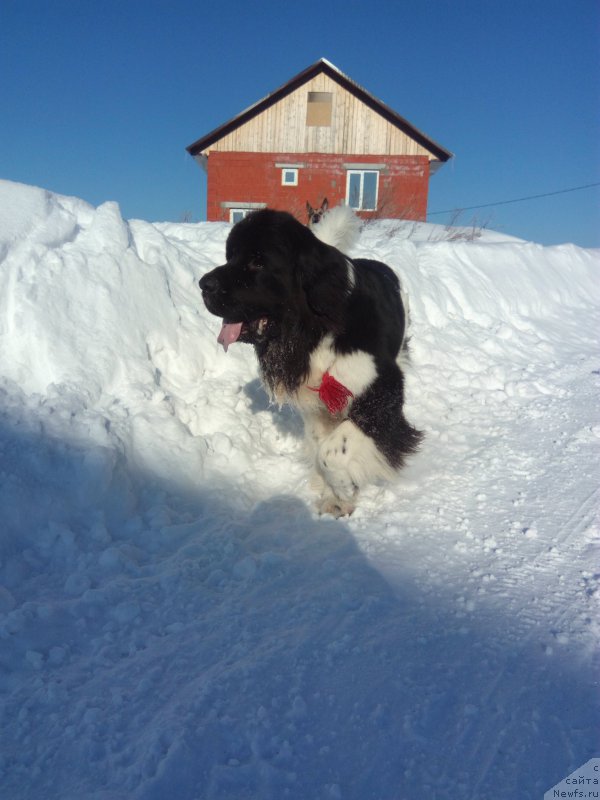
x=210 y=284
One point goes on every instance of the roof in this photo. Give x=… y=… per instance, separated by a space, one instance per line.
x=322 y=65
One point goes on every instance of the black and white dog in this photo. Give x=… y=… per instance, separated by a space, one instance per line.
x=328 y=332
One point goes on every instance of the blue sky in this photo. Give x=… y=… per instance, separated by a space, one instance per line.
x=99 y=99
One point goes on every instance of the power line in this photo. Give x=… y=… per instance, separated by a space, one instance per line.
x=516 y=200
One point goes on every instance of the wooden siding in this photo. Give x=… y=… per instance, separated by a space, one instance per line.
x=355 y=128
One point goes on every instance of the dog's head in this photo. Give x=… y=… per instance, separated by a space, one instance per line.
x=315 y=214
x=278 y=275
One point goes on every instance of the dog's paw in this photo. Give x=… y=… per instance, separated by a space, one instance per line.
x=335 y=507
x=327 y=502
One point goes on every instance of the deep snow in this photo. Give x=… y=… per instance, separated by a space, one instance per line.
x=175 y=621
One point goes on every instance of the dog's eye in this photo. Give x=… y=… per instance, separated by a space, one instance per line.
x=255 y=264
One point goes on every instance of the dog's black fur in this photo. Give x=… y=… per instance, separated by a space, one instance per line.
x=294 y=294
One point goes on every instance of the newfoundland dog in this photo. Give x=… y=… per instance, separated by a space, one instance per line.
x=328 y=332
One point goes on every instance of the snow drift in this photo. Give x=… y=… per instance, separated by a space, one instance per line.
x=174 y=619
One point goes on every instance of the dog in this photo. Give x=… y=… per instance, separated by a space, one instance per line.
x=316 y=214
x=339 y=227
x=329 y=335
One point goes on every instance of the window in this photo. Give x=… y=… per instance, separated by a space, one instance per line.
x=361 y=189
x=318 y=108
x=289 y=176
x=238 y=209
x=236 y=214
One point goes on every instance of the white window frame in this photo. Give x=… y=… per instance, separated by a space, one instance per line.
x=240 y=207
x=362 y=173
x=291 y=171
x=233 y=211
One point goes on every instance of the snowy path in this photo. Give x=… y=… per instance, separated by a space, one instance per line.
x=174 y=619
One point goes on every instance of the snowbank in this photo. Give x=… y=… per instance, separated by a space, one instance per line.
x=175 y=621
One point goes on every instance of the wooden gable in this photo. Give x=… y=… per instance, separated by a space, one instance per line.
x=321 y=110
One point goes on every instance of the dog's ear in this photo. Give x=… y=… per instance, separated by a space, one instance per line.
x=309 y=209
x=324 y=279
x=324 y=205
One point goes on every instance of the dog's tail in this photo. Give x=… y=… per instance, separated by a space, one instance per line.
x=339 y=227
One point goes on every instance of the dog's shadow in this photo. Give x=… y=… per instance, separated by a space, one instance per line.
x=284 y=418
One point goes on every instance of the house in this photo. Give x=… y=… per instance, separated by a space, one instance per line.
x=319 y=135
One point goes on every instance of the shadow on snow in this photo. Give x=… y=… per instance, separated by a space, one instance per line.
x=157 y=643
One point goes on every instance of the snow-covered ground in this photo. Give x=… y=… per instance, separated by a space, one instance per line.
x=176 y=622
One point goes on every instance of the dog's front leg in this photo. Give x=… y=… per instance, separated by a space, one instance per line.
x=347 y=459
x=338 y=460
x=319 y=430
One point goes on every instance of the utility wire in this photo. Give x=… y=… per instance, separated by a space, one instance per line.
x=516 y=200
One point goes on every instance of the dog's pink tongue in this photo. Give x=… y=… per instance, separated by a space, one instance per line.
x=230 y=333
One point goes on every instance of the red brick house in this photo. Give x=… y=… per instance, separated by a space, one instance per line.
x=319 y=135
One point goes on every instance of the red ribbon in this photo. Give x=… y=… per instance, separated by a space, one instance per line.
x=333 y=393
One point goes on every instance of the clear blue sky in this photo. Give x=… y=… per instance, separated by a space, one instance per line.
x=99 y=98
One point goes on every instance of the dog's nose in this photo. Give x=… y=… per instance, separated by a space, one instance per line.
x=209 y=284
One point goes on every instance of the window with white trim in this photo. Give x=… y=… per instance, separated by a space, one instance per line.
x=236 y=214
x=238 y=209
x=289 y=176
x=362 y=186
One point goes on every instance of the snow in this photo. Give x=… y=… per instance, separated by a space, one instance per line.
x=176 y=621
